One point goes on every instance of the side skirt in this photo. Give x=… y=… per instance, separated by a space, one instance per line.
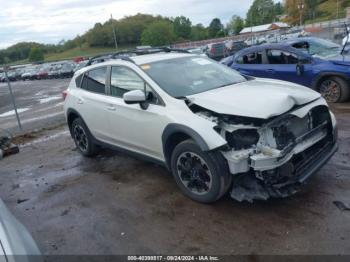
x=130 y=153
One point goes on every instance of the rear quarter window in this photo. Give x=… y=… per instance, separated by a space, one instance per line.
x=78 y=80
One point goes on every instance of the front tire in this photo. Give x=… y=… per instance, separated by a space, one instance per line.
x=82 y=138
x=334 y=89
x=202 y=176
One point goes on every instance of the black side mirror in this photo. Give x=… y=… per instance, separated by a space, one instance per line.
x=300 y=69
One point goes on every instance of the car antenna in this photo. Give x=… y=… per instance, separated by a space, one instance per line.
x=347 y=38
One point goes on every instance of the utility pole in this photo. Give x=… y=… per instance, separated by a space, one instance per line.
x=337 y=9
x=13 y=99
x=301 y=8
x=114 y=34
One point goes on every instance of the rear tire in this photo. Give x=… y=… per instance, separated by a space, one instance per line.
x=82 y=138
x=334 y=89
x=202 y=176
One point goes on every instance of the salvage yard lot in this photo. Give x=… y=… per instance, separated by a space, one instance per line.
x=115 y=204
x=40 y=104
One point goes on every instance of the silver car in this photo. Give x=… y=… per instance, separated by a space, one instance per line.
x=16 y=243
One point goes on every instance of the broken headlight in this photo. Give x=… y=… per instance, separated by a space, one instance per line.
x=242 y=138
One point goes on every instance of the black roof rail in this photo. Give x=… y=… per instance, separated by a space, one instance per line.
x=125 y=55
x=159 y=49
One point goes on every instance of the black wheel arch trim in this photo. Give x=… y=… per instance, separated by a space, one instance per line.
x=172 y=129
x=317 y=79
x=75 y=112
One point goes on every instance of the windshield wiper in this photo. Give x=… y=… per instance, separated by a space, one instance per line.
x=181 y=97
x=228 y=84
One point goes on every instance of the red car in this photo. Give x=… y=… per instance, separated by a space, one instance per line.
x=42 y=74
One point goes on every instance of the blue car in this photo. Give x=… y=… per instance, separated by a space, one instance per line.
x=309 y=61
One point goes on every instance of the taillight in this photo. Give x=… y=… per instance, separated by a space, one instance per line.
x=64 y=94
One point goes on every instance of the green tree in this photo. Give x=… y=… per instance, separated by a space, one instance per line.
x=182 y=27
x=100 y=35
x=199 y=32
x=36 y=54
x=158 y=33
x=278 y=9
x=261 y=12
x=235 y=25
x=311 y=8
x=2 y=57
x=215 y=28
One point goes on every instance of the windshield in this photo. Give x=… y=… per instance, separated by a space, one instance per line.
x=185 y=76
x=323 y=48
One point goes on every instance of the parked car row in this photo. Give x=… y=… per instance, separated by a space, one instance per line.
x=276 y=37
x=13 y=75
x=45 y=71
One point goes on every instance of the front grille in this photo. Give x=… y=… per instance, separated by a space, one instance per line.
x=290 y=172
x=306 y=158
x=291 y=129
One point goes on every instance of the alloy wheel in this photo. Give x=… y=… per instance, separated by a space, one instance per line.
x=80 y=138
x=194 y=173
x=330 y=90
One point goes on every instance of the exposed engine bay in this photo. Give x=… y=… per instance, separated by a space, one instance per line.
x=273 y=157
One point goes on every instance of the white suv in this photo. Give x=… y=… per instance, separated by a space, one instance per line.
x=213 y=128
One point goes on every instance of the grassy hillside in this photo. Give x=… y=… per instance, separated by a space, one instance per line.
x=327 y=10
x=76 y=52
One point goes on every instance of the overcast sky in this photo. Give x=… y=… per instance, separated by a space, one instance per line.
x=53 y=20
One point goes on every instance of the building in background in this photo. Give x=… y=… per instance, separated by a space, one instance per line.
x=264 y=28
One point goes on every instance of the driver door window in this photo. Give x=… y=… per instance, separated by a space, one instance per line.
x=124 y=80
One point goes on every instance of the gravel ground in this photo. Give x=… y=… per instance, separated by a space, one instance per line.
x=115 y=204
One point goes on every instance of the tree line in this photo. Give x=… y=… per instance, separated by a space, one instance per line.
x=140 y=29
x=145 y=29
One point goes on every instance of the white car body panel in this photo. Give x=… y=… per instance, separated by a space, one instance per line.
x=93 y=109
x=259 y=98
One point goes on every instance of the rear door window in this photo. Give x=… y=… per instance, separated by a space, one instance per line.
x=95 y=80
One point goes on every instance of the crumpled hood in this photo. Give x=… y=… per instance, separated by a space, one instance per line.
x=259 y=98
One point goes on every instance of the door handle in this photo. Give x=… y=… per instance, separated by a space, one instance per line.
x=270 y=70
x=111 y=108
x=80 y=101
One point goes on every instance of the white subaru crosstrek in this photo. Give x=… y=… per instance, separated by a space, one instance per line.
x=214 y=129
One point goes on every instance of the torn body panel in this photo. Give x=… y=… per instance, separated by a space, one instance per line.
x=273 y=157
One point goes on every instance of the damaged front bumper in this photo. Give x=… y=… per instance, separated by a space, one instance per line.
x=248 y=187
x=265 y=172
